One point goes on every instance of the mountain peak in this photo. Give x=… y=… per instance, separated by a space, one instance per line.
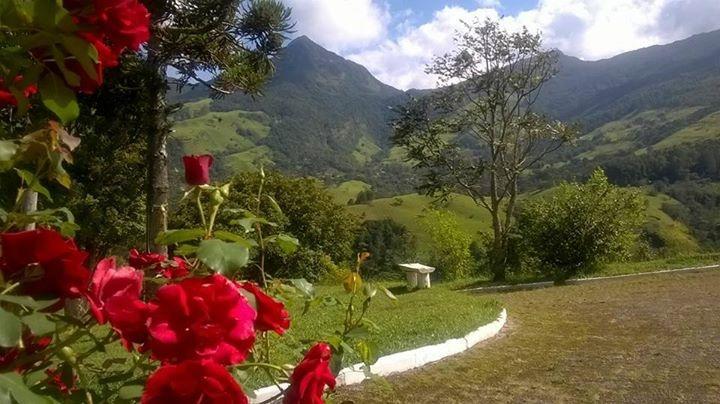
x=304 y=41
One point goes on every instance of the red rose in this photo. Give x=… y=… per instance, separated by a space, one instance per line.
x=310 y=377
x=115 y=296
x=44 y=262
x=171 y=269
x=146 y=260
x=32 y=345
x=7 y=98
x=126 y=23
x=201 y=382
x=197 y=169
x=271 y=314
x=56 y=379
x=200 y=318
x=176 y=268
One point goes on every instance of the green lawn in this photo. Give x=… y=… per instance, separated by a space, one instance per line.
x=416 y=319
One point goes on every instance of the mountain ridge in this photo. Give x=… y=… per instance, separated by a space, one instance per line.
x=328 y=116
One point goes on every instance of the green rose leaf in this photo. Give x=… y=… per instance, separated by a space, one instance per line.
x=11 y=329
x=58 y=98
x=131 y=392
x=223 y=257
x=304 y=287
x=39 y=323
x=13 y=384
x=232 y=237
x=287 y=244
x=27 y=301
x=7 y=152
x=367 y=350
x=179 y=236
x=34 y=183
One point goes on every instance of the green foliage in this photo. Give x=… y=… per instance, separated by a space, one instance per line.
x=449 y=251
x=107 y=194
x=389 y=243
x=324 y=230
x=580 y=226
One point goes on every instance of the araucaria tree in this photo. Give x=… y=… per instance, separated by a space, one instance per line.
x=478 y=134
x=226 y=45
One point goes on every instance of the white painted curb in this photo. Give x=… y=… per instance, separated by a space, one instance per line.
x=576 y=281
x=403 y=361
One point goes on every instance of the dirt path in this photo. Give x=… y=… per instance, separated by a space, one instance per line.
x=650 y=339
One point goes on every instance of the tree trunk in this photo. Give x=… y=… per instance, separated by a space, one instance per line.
x=157 y=164
x=29 y=205
x=498 y=251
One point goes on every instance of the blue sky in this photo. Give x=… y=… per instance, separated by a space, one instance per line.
x=396 y=39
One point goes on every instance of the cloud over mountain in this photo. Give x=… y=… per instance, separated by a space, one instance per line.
x=395 y=47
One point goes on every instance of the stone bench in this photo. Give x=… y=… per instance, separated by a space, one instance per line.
x=417 y=275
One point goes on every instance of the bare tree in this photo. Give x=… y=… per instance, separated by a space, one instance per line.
x=478 y=134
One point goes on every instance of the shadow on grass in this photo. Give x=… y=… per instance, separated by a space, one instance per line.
x=401 y=290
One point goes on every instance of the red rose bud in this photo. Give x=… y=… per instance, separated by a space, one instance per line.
x=271 y=314
x=312 y=374
x=197 y=169
x=146 y=260
x=200 y=318
x=203 y=382
x=44 y=262
x=177 y=268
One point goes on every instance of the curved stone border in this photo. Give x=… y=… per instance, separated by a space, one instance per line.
x=576 y=281
x=403 y=361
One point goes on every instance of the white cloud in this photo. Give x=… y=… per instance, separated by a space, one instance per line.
x=341 y=25
x=589 y=29
x=401 y=62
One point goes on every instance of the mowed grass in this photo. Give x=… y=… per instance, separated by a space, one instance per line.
x=417 y=318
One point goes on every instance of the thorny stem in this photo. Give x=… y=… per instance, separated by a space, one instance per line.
x=201 y=210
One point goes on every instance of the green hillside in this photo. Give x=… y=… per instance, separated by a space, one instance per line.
x=347 y=190
x=232 y=137
x=665 y=234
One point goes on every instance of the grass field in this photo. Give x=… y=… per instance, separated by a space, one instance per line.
x=623 y=134
x=347 y=190
x=706 y=128
x=409 y=209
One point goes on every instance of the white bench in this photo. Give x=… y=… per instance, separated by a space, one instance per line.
x=417 y=275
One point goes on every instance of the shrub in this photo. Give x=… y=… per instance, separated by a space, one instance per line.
x=325 y=230
x=388 y=243
x=581 y=226
x=449 y=249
